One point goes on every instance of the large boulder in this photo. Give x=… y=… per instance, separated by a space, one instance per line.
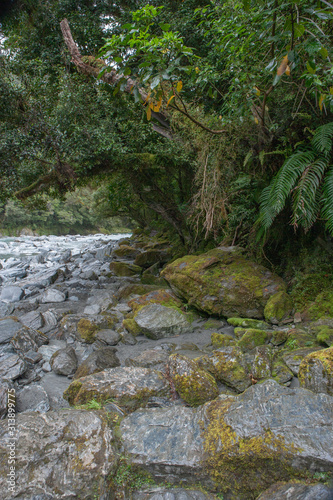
x=130 y=387
x=64 y=454
x=297 y=491
x=223 y=282
x=64 y=361
x=316 y=371
x=243 y=443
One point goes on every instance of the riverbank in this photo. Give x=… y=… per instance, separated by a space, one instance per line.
x=132 y=370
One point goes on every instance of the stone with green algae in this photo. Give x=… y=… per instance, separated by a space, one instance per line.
x=124 y=269
x=228 y=365
x=248 y=323
x=223 y=282
x=222 y=340
x=194 y=385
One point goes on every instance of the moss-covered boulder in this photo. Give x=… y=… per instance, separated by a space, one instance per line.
x=150 y=257
x=324 y=335
x=131 y=326
x=125 y=251
x=223 y=282
x=281 y=373
x=222 y=340
x=124 y=269
x=194 y=385
x=87 y=330
x=129 y=387
x=228 y=365
x=253 y=338
x=261 y=365
x=279 y=337
x=278 y=308
x=316 y=371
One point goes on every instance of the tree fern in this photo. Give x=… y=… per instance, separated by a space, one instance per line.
x=307 y=179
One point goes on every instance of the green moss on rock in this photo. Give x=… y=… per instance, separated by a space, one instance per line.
x=248 y=323
x=223 y=282
x=194 y=385
x=131 y=326
x=316 y=371
x=87 y=330
x=124 y=269
x=322 y=306
x=222 y=340
x=279 y=307
x=253 y=338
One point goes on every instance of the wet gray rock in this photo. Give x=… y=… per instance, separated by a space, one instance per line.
x=54 y=386
x=107 y=337
x=32 y=319
x=27 y=339
x=170 y=494
x=64 y=361
x=50 y=319
x=69 y=452
x=157 y=321
x=170 y=445
x=33 y=357
x=12 y=367
x=52 y=295
x=8 y=328
x=6 y=309
x=151 y=358
x=131 y=387
x=32 y=398
x=98 y=361
x=297 y=491
x=11 y=294
x=93 y=309
x=294 y=358
x=5 y=387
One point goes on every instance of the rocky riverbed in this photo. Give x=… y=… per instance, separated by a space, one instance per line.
x=137 y=376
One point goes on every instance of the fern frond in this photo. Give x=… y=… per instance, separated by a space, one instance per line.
x=306 y=195
x=273 y=198
x=327 y=200
x=322 y=139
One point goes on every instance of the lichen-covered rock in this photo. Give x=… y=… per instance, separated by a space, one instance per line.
x=64 y=361
x=131 y=326
x=279 y=307
x=107 y=337
x=281 y=373
x=97 y=361
x=316 y=371
x=297 y=491
x=324 y=334
x=279 y=337
x=157 y=321
x=130 y=387
x=261 y=365
x=223 y=282
x=322 y=306
x=87 y=330
x=124 y=269
x=63 y=454
x=194 y=385
x=252 y=338
x=229 y=366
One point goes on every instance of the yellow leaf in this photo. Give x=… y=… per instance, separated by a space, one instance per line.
x=257 y=91
x=288 y=70
x=197 y=69
x=170 y=100
x=256 y=120
x=331 y=90
x=158 y=105
x=283 y=66
x=148 y=113
x=179 y=86
x=321 y=100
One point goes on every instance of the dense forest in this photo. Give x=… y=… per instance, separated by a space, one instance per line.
x=210 y=120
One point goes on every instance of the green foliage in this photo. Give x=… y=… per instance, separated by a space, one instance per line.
x=129 y=477
x=302 y=177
